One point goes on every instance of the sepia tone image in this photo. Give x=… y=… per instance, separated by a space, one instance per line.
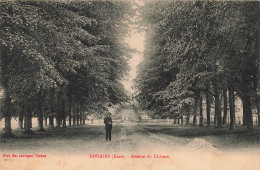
x=138 y=84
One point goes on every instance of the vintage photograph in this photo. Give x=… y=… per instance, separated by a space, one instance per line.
x=129 y=84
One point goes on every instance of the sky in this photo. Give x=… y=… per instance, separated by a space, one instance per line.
x=135 y=41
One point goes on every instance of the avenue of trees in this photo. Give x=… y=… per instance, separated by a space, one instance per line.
x=61 y=60
x=200 y=51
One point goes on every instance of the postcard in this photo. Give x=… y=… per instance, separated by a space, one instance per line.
x=138 y=84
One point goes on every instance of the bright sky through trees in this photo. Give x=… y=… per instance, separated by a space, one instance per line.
x=135 y=41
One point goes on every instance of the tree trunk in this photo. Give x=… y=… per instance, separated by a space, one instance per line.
x=201 y=111
x=181 y=120
x=4 y=63
x=61 y=118
x=28 y=121
x=258 y=81
x=57 y=121
x=246 y=87
x=20 y=124
x=70 y=108
x=232 y=107
x=248 y=111
x=77 y=115
x=174 y=120
x=40 y=110
x=27 y=124
x=74 y=117
x=245 y=95
x=7 y=113
x=69 y=119
x=244 y=114
x=63 y=107
x=40 y=122
x=58 y=108
x=31 y=121
x=80 y=119
x=197 y=95
x=45 y=121
x=217 y=104
x=84 y=120
x=194 y=119
x=64 y=122
x=225 y=107
x=208 y=100
x=52 y=106
x=188 y=120
x=258 y=111
x=51 y=123
x=8 y=130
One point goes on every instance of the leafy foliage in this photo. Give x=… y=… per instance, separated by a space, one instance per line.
x=192 y=45
x=70 y=50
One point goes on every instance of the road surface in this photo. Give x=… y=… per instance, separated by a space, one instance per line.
x=130 y=138
x=183 y=147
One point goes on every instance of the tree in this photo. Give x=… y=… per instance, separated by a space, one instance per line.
x=48 y=50
x=206 y=43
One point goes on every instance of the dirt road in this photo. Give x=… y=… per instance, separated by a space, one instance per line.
x=183 y=147
x=129 y=138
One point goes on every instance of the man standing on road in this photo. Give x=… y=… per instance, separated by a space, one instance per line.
x=108 y=126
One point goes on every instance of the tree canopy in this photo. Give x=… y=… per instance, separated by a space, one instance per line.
x=197 y=47
x=75 y=48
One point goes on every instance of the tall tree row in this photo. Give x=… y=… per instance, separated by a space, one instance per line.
x=199 y=50
x=62 y=59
